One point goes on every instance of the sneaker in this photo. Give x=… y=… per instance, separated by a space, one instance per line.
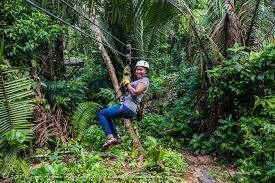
x=110 y=142
x=118 y=139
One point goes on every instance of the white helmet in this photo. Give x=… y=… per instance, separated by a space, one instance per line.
x=143 y=63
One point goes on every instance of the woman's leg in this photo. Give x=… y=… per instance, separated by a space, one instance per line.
x=105 y=117
x=113 y=128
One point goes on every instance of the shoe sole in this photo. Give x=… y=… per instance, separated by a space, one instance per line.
x=107 y=146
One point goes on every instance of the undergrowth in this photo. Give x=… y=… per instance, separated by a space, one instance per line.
x=74 y=163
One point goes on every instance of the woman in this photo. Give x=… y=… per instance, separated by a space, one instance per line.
x=128 y=108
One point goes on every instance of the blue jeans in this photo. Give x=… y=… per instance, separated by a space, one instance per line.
x=107 y=115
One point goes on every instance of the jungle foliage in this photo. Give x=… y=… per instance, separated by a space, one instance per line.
x=211 y=89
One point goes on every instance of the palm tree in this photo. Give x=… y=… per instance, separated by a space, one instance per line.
x=249 y=23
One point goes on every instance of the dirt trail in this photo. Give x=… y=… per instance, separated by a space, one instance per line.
x=203 y=169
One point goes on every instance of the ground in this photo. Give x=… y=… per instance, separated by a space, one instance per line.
x=203 y=169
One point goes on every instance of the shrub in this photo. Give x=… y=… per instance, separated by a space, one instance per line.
x=160 y=159
x=250 y=142
x=239 y=79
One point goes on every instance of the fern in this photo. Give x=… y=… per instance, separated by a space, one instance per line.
x=15 y=111
x=108 y=95
x=84 y=114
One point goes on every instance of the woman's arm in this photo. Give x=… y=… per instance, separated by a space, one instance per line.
x=141 y=87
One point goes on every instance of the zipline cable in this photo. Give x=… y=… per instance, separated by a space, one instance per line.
x=142 y=50
x=144 y=58
x=70 y=25
x=87 y=18
x=78 y=29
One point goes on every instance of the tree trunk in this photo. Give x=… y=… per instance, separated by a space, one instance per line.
x=59 y=58
x=111 y=70
x=106 y=58
x=50 y=64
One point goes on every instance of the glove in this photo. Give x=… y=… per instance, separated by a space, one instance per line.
x=125 y=81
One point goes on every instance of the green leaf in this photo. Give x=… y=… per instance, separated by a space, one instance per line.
x=238 y=67
x=15 y=111
x=252 y=77
x=18 y=136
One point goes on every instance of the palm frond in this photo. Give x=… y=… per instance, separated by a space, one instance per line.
x=249 y=13
x=158 y=15
x=216 y=10
x=138 y=12
x=258 y=18
x=198 y=32
x=15 y=112
x=129 y=16
x=84 y=115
